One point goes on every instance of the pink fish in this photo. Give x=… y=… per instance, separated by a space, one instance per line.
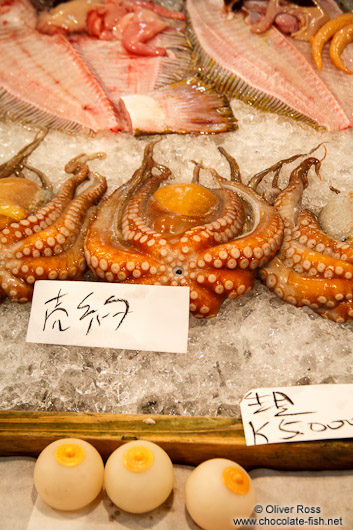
x=44 y=80
x=269 y=70
x=78 y=81
x=159 y=93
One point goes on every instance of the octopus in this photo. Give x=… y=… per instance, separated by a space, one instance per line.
x=311 y=268
x=48 y=244
x=184 y=234
x=20 y=196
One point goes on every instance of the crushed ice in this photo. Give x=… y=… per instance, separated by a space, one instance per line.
x=257 y=340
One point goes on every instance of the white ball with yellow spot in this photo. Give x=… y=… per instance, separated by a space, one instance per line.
x=216 y=492
x=139 y=476
x=69 y=474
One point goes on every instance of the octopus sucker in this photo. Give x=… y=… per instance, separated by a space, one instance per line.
x=302 y=289
x=48 y=244
x=311 y=268
x=153 y=232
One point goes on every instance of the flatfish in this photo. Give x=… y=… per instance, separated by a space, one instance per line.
x=80 y=82
x=268 y=70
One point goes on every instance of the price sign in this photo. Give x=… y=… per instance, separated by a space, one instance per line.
x=296 y=414
x=142 y=317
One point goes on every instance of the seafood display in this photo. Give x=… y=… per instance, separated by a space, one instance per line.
x=256 y=340
x=129 y=65
x=184 y=234
x=48 y=244
x=151 y=231
x=269 y=70
x=311 y=269
x=77 y=81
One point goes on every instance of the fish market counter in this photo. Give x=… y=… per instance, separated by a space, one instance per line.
x=257 y=340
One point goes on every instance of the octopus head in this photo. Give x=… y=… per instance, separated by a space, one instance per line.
x=175 y=208
x=19 y=197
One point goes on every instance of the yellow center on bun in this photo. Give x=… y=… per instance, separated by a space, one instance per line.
x=70 y=454
x=236 y=480
x=186 y=199
x=138 y=458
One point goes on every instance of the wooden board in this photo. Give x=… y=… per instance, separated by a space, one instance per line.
x=187 y=440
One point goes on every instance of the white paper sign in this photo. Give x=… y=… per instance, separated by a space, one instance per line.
x=297 y=414
x=141 y=317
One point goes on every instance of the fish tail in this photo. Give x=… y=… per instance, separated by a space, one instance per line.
x=186 y=106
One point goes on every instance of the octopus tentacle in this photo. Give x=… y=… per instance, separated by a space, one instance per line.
x=311 y=268
x=59 y=236
x=105 y=251
x=228 y=224
x=314 y=263
x=68 y=265
x=49 y=244
x=254 y=248
x=115 y=264
x=288 y=202
x=300 y=289
x=341 y=313
x=19 y=195
x=309 y=232
x=225 y=227
x=133 y=227
x=45 y=216
x=15 y=164
x=16 y=289
x=211 y=287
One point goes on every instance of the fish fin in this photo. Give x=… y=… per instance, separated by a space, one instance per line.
x=17 y=110
x=121 y=73
x=233 y=86
x=187 y=106
x=178 y=64
x=267 y=70
x=61 y=94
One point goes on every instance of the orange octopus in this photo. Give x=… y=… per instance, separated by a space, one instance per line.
x=48 y=243
x=184 y=234
x=20 y=196
x=311 y=269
